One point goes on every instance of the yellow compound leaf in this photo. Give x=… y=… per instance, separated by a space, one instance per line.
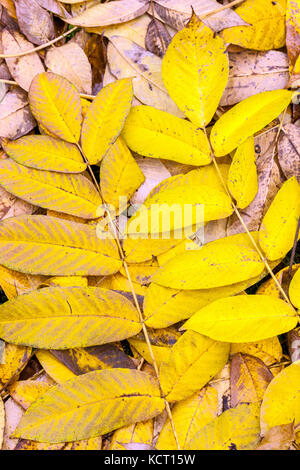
x=195 y=71
x=294 y=290
x=191 y=363
x=157 y=134
x=105 y=118
x=14 y=358
x=40 y=244
x=243 y=318
x=279 y=225
x=189 y=416
x=55 y=103
x=73 y=194
x=141 y=432
x=266 y=29
x=109 y=13
x=249 y=379
x=91 y=405
x=120 y=175
x=221 y=262
x=281 y=403
x=68 y=317
x=242 y=176
x=235 y=429
x=53 y=367
x=246 y=118
x=45 y=153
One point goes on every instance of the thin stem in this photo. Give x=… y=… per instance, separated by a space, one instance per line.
x=145 y=332
x=41 y=47
x=224 y=7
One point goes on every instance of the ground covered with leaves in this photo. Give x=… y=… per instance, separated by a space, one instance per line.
x=122 y=327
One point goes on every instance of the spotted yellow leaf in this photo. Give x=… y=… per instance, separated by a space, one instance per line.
x=242 y=176
x=47 y=245
x=266 y=25
x=55 y=103
x=105 y=118
x=243 y=318
x=281 y=403
x=45 y=153
x=246 y=118
x=120 y=175
x=90 y=405
x=219 y=263
x=189 y=416
x=235 y=429
x=279 y=225
x=157 y=134
x=195 y=71
x=73 y=194
x=141 y=432
x=190 y=364
x=68 y=317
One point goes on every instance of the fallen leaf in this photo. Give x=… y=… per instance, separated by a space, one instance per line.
x=289 y=151
x=35 y=22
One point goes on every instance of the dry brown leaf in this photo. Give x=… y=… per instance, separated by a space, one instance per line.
x=22 y=69
x=278 y=438
x=95 y=50
x=15 y=115
x=157 y=38
x=127 y=59
x=253 y=72
x=10 y=7
x=292 y=31
x=176 y=13
x=34 y=22
x=13 y=414
x=249 y=379
x=53 y=6
x=289 y=151
x=294 y=344
x=71 y=62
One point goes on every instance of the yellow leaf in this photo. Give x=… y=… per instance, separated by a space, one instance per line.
x=191 y=363
x=243 y=318
x=40 y=244
x=179 y=206
x=242 y=176
x=94 y=443
x=235 y=429
x=25 y=392
x=73 y=194
x=222 y=262
x=45 y=153
x=279 y=225
x=189 y=416
x=246 y=118
x=15 y=357
x=55 y=103
x=141 y=272
x=281 y=403
x=14 y=283
x=266 y=29
x=91 y=405
x=157 y=134
x=120 y=175
x=105 y=118
x=267 y=350
x=53 y=367
x=249 y=378
x=67 y=281
x=117 y=282
x=109 y=13
x=294 y=290
x=141 y=432
x=164 y=306
x=68 y=317
x=195 y=71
